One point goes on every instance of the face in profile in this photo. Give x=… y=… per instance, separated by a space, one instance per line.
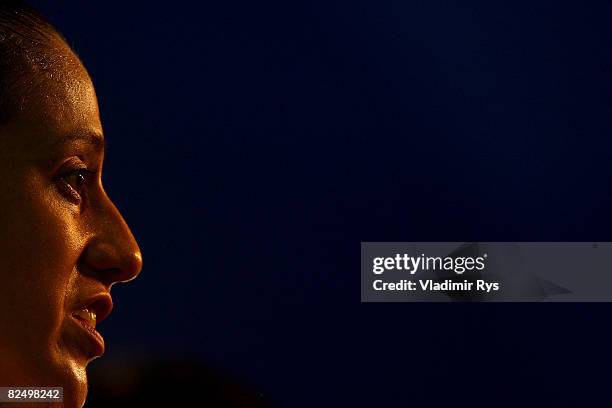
x=63 y=243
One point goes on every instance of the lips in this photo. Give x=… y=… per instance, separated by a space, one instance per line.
x=87 y=316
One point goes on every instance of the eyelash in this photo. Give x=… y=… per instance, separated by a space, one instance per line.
x=70 y=189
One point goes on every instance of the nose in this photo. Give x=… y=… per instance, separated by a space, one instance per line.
x=112 y=254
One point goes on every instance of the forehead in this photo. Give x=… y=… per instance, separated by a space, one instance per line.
x=56 y=102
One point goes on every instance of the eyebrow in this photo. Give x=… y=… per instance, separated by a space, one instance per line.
x=96 y=140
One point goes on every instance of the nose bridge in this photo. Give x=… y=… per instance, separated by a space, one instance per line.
x=113 y=252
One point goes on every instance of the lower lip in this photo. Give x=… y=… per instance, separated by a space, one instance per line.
x=96 y=339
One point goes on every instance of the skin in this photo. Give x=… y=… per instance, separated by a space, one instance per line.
x=62 y=241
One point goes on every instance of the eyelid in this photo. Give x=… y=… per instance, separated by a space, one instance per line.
x=69 y=168
x=73 y=164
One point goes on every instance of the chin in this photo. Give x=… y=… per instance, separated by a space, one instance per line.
x=68 y=373
x=52 y=372
x=75 y=391
x=74 y=380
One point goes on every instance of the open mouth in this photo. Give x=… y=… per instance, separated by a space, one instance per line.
x=87 y=318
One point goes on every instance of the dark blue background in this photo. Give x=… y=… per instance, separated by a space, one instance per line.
x=253 y=145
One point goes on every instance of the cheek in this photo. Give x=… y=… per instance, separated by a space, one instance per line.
x=40 y=241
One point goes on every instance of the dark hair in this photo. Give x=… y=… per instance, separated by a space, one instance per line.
x=25 y=41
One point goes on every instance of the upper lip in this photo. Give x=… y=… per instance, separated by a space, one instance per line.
x=100 y=304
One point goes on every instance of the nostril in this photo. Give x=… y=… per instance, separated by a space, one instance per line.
x=102 y=255
x=112 y=262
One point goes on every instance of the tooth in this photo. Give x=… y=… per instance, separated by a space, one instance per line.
x=88 y=316
x=93 y=317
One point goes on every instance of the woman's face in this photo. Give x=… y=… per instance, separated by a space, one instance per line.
x=63 y=244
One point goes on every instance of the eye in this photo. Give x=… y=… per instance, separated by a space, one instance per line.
x=74 y=183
